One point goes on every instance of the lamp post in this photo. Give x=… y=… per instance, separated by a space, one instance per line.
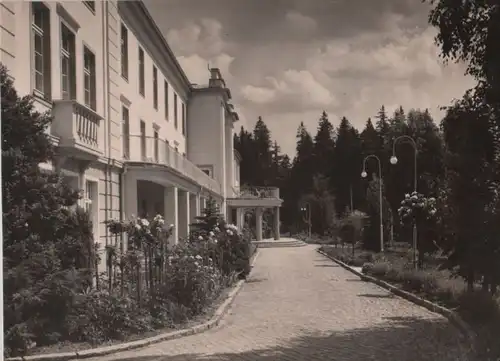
x=394 y=160
x=307 y=217
x=363 y=175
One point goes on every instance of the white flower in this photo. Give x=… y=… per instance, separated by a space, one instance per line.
x=229 y=232
x=414 y=197
x=211 y=234
x=200 y=238
x=215 y=241
x=432 y=212
x=407 y=195
x=145 y=222
x=138 y=226
x=171 y=226
x=191 y=257
x=432 y=199
x=216 y=229
x=198 y=256
x=196 y=264
x=161 y=221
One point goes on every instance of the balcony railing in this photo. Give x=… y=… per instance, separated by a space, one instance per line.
x=250 y=192
x=77 y=126
x=154 y=150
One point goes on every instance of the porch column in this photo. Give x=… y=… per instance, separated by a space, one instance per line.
x=258 y=224
x=183 y=214
x=239 y=218
x=276 y=223
x=171 y=212
x=130 y=197
x=194 y=207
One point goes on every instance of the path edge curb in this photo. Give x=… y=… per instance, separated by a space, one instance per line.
x=126 y=346
x=452 y=316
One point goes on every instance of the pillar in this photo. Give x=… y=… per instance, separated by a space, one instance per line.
x=171 y=212
x=241 y=217
x=276 y=223
x=240 y=222
x=184 y=216
x=258 y=224
x=194 y=207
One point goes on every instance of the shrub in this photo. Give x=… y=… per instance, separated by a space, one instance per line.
x=47 y=247
x=380 y=269
x=420 y=281
x=479 y=307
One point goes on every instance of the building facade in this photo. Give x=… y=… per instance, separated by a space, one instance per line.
x=131 y=131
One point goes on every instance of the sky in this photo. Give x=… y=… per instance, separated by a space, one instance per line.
x=290 y=60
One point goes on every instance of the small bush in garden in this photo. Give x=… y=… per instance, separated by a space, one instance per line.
x=394 y=275
x=420 y=281
x=367 y=268
x=479 y=307
x=356 y=262
x=380 y=269
x=100 y=316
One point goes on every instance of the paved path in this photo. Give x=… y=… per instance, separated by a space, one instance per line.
x=299 y=306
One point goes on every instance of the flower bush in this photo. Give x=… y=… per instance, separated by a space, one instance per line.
x=416 y=207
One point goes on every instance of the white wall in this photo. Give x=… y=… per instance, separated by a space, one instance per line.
x=205 y=143
x=142 y=108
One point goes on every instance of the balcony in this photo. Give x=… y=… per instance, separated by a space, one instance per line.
x=248 y=196
x=155 y=151
x=78 y=129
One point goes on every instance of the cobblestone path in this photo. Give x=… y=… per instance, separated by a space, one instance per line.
x=298 y=305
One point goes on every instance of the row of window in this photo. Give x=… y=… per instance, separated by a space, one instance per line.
x=42 y=65
x=40 y=27
x=126 y=137
x=155 y=81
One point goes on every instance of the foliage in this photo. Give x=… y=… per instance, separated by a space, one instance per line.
x=351 y=227
x=47 y=241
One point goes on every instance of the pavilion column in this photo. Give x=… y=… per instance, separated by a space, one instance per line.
x=277 y=223
x=258 y=224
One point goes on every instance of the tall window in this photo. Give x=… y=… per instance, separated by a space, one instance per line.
x=165 y=90
x=89 y=196
x=183 y=108
x=155 y=87
x=124 y=51
x=175 y=111
x=156 y=145
x=89 y=77
x=126 y=133
x=68 y=68
x=143 y=140
x=40 y=28
x=142 y=83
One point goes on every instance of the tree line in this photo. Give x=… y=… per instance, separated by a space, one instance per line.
x=455 y=165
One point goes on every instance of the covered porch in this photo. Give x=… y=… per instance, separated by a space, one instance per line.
x=147 y=194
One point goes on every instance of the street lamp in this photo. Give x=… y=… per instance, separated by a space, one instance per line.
x=363 y=175
x=307 y=217
x=394 y=160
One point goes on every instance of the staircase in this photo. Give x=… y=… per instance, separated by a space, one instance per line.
x=284 y=242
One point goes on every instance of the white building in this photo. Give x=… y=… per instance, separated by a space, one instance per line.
x=130 y=129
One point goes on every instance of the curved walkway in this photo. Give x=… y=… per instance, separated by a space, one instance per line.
x=299 y=306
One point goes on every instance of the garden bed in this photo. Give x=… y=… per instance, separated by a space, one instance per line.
x=478 y=309
x=206 y=316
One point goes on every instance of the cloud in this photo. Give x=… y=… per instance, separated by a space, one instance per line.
x=300 y=23
x=293 y=91
x=288 y=60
